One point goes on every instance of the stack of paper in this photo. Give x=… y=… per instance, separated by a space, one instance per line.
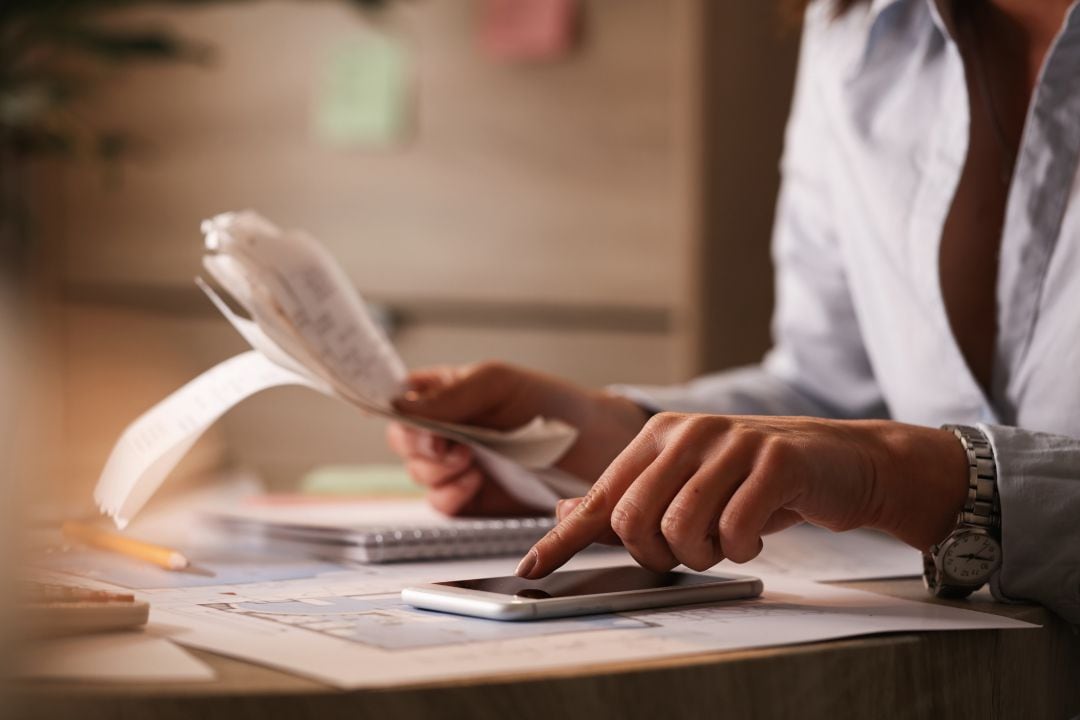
x=307 y=326
x=349 y=627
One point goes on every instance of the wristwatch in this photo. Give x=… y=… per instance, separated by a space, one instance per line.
x=965 y=560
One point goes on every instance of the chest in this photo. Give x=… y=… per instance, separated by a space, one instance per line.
x=898 y=180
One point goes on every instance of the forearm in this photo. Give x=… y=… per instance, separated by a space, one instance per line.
x=751 y=390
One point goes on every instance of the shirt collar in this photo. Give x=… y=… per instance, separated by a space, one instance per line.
x=882 y=15
x=877 y=6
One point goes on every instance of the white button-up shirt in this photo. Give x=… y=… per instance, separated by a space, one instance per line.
x=875 y=146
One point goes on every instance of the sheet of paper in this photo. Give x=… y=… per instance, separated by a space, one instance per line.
x=349 y=628
x=112 y=657
x=353 y=638
x=813 y=553
x=151 y=447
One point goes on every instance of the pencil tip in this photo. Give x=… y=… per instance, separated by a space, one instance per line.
x=196 y=570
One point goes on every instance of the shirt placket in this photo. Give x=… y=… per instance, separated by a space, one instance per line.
x=1045 y=167
x=943 y=163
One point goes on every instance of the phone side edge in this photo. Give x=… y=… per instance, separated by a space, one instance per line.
x=436 y=597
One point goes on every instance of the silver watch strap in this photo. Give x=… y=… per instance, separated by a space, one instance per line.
x=982 y=507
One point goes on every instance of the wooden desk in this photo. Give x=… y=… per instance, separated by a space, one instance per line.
x=969 y=674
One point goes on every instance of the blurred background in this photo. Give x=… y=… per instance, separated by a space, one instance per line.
x=584 y=187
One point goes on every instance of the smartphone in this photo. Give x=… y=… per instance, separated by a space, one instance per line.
x=578 y=592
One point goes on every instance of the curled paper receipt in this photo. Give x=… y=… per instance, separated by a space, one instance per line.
x=307 y=326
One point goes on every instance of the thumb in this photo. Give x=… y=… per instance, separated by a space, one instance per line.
x=461 y=395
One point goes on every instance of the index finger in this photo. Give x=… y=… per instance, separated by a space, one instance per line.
x=591 y=519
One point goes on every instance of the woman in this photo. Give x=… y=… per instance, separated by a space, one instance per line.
x=927 y=244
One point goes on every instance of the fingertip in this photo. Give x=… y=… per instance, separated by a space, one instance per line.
x=527 y=564
x=429 y=445
x=562 y=542
x=739 y=551
x=458 y=455
x=396 y=438
x=453 y=498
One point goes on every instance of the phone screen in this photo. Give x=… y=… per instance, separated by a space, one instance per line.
x=573 y=583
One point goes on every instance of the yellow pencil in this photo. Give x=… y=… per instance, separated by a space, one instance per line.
x=161 y=556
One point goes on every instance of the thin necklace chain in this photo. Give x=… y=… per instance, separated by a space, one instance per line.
x=1008 y=156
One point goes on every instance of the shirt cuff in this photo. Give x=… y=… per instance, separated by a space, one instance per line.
x=1038 y=477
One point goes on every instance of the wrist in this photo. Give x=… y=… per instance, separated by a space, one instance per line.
x=924 y=473
x=606 y=425
x=614 y=413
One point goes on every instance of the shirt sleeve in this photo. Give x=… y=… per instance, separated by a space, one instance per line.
x=1039 y=488
x=818 y=365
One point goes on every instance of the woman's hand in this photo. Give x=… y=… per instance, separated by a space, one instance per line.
x=503 y=397
x=695 y=489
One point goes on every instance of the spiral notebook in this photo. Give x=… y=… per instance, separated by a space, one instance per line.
x=376 y=531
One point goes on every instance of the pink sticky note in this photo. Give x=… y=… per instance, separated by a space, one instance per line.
x=527 y=30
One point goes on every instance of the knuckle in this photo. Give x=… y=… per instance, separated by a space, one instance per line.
x=730 y=525
x=628 y=519
x=661 y=419
x=675 y=526
x=653 y=429
x=490 y=369
x=594 y=501
x=662 y=423
x=751 y=435
x=694 y=428
x=776 y=454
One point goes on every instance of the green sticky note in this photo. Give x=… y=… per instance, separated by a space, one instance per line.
x=365 y=94
x=360 y=480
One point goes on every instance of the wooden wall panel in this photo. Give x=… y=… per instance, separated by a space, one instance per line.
x=555 y=182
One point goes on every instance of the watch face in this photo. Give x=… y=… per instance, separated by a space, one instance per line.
x=971 y=558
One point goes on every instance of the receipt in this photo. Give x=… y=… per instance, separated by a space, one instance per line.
x=154 y=444
x=307 y=326
x=302 y=298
